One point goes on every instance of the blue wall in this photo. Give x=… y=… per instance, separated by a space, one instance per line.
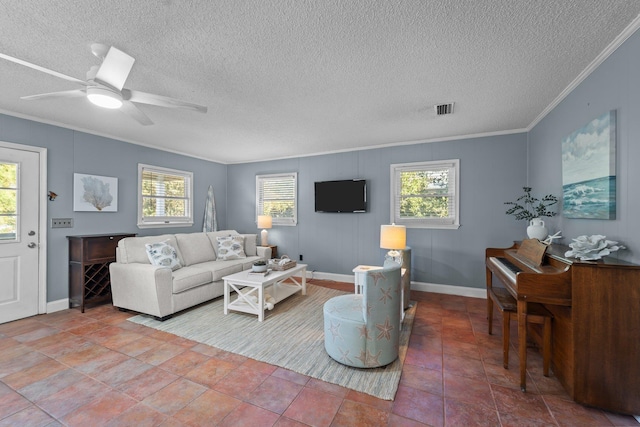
x=492 y=171
x=70 y=151
x=614 y=85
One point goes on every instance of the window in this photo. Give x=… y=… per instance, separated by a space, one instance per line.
x=277 y=195
x=165 y=197
x=426 y=194
x=8 y=201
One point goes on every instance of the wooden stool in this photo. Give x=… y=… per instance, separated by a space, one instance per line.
x=536 y=313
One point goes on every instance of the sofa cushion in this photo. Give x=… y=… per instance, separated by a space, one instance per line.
x=231 y=247
x=133 y=249
x=250 y=244
x=190 y=277
x=219 y=269
x=163 y=254
x=195 y=248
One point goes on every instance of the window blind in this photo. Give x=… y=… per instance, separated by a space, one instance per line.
x=165 y=196
x=425 y=194
x=276 y=195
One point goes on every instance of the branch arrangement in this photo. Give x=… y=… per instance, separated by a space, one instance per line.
x=528 y=207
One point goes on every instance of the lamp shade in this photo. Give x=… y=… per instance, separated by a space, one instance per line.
x=393 y=236
x=264 y=221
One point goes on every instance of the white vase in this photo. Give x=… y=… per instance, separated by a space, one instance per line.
x=537 y=230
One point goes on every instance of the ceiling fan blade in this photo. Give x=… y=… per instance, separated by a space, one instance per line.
x=63 y=94
x=135 y=113
x=114 y=69
x=42 y=69
x=161 y=101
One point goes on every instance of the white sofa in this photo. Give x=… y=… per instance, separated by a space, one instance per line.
x=159 y=291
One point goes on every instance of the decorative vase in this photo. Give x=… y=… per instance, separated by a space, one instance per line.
x=259 y=268
x=537 y=230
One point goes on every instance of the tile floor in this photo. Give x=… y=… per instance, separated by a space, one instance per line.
x=96 y=368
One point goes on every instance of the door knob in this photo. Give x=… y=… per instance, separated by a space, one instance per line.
x=31 y=245
x=32 y=233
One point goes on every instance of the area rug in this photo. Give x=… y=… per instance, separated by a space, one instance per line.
x=291 y=336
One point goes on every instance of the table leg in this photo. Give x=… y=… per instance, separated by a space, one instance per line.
x=357 y=285
x=304 y=281
x=226 y=297
x=401 y=304
x=260 y=303
x=522 y=343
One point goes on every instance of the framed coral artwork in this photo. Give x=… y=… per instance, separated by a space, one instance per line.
x=93 y=193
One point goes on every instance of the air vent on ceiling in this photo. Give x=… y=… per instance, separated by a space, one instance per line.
x=442 y=109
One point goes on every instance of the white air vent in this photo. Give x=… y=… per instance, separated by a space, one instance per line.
x=442 y=109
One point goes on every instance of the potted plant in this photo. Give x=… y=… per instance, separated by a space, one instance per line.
x=259 y=266
x=531 y=209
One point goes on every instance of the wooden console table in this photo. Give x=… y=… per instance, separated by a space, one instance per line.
x=89 y=259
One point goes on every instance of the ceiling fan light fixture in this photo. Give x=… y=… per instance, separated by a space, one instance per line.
x=104 y=98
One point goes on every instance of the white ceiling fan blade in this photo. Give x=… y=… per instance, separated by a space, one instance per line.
x=161 y=101
x=134 y=112
x=114 y=69
x=62 y=94
x=42 y=69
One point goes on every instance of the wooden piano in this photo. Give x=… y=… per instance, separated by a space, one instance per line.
x=596 y=324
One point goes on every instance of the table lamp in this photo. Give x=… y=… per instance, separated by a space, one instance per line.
x=393 y=237
x=264 y=222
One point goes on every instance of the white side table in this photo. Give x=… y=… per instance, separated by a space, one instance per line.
x=359 y=281
x=360 y=277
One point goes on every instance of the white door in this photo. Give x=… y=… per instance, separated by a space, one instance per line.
x=19 y=233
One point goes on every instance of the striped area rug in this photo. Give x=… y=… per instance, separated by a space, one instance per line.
x=291 y=337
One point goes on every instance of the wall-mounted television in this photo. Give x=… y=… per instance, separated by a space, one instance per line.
x=341 y=196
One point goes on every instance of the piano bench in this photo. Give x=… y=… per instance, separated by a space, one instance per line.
x=536 y=313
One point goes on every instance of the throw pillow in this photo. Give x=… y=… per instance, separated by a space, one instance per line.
x=231 y=247
x=163 y=254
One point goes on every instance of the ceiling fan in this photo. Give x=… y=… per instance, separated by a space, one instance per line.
x=104 y=85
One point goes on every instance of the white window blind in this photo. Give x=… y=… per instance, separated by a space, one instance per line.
x=165 y=197
x=426 y=194
x=277 y=195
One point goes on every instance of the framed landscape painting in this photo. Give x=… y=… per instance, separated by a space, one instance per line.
x=589 y=170
x=93 y=193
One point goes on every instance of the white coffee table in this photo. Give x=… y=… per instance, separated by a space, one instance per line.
x=251 y=289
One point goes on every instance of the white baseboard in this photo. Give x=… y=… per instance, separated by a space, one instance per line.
x=59 y=305
x=347 y=278
x=464 y=291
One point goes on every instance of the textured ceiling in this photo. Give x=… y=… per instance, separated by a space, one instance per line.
x=288 y=78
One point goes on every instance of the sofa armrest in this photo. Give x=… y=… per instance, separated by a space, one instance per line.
x=263 y=252
x=141 y=287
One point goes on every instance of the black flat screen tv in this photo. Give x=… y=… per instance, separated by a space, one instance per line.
x=341 y=196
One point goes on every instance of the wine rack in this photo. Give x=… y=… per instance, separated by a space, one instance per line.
x=89 y=259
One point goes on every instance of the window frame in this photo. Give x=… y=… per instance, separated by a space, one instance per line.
x=260 y=179
x=161 y=222
x=453 y=165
